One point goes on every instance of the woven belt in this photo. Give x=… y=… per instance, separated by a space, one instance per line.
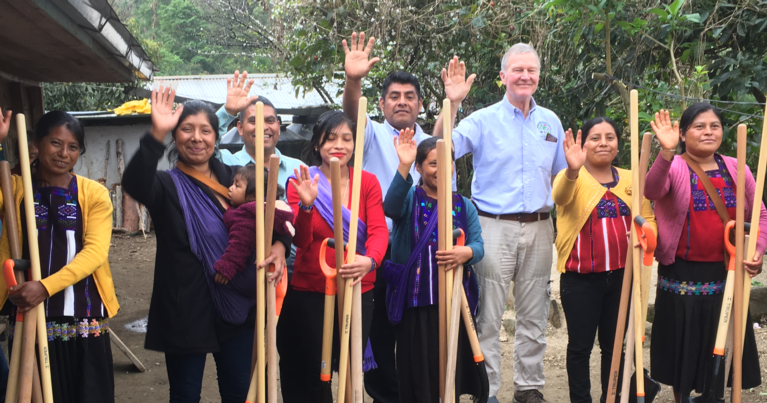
x=521 y=217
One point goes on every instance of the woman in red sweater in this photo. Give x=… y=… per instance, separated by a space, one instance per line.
x=299 y=331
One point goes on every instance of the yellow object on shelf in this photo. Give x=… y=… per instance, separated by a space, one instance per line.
x=141 y=107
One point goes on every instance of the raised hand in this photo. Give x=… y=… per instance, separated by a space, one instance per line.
x=237 y=90
x=666 y=133
x=164 y=118
x=406 y=147
x=305 y=185
x=5 y=124
x=575 y=154
x=357 y=63
x=457 y=86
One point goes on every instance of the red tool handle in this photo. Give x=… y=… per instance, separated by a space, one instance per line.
x=10 y=276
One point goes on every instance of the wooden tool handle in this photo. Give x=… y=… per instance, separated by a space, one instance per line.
x=441 y=275
x=756 y=212
x=271 y=290
x=636 y=254
x=740 y=217
x=347 y=321
x=34 y=254
x=612 y=384
x=452 y=345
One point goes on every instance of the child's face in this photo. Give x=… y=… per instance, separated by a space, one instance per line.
x=428 y=170
x=237 y=192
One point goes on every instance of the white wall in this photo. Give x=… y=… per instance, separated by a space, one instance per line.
x=91 y=164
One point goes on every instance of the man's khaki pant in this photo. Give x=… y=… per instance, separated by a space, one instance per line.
x=522 y=253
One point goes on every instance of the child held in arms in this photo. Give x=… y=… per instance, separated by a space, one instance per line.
x=240 y=220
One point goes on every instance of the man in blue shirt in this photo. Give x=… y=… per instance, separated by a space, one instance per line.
x=240 y=105
x=517 y=150
x=400 y=102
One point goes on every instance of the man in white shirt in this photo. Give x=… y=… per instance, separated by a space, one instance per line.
x=400 y=102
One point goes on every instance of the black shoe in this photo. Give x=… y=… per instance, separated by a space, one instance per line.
x=529 y=396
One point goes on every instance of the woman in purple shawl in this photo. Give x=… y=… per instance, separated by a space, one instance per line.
x=190 y=315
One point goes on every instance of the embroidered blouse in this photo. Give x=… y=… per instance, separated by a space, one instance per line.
x=702 y=238
x=423 y=285
x=602 y=243
x=60 y=238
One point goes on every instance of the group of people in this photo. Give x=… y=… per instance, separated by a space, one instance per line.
x=524 y=165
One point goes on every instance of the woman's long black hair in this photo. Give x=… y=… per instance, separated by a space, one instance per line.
x=192 y=108
x=326 y=123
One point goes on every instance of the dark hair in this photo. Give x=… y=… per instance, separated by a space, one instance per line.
x=248 y=173
x=192 y=108
x=691 y=113
x=589 y=124
x=401 y=77
x=45 y=126
x=425 y=147
x=54 y=119
x=263 y=100
x=326 y=123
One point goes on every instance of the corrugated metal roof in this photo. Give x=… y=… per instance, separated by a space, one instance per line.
x=276 y=87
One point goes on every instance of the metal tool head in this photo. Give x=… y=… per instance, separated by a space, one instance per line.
x=459 y=237
x=329 y=272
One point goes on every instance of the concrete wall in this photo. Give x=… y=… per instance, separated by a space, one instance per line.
x=94 y=165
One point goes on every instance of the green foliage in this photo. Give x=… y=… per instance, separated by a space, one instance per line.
x=83 y=96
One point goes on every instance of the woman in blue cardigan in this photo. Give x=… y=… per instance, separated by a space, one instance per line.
x=411 y=208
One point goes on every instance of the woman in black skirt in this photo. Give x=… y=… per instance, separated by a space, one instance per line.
x=690 y=252
x=412 y=208
x=73 y=216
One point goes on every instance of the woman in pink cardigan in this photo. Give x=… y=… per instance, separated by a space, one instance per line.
x=690 y=252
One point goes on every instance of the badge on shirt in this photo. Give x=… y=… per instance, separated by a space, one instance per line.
x=545 y=130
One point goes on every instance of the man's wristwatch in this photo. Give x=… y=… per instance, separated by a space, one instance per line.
x=373 y=267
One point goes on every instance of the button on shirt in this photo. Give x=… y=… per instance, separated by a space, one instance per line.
x=242 y=157
x=514 y=157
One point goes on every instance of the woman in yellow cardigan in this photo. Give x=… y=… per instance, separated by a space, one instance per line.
x=593 y=201
x=74 y=228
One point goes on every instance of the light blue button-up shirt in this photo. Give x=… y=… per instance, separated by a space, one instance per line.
x=380 y=156
x=514 y=158
x=287 y=164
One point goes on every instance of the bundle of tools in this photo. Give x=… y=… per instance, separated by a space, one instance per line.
x=25 y=382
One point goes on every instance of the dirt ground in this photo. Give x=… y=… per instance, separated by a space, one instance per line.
x=132 y=262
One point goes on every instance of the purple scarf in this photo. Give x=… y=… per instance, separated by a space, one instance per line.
x=208 y=238
x=324 y=205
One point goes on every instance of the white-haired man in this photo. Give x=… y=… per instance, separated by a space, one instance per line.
x=517 y=150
